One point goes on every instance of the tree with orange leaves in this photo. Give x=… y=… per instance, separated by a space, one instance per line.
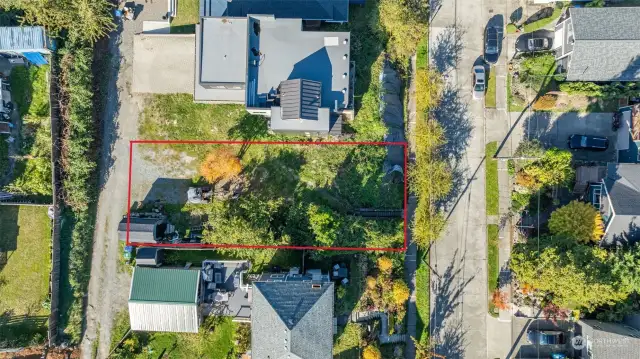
x=220 y=164
x=500 y=300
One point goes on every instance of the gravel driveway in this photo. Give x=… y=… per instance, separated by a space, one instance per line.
x=109 y=288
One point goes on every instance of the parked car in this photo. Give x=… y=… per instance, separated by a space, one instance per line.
x=479 y=78
x=545 y=337
x=491 y=44
x=588 y=142
x=538 y=44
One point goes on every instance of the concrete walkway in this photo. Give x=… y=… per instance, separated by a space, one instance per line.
x=410 y=264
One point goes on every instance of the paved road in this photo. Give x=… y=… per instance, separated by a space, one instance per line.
x=459 y=284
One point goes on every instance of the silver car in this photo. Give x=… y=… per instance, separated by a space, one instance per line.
x=479 y=82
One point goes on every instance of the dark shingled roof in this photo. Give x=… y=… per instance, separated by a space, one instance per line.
x=623 y=188
x=292 y=320
x=140 y=229
x=300 y=99
x=329 y=10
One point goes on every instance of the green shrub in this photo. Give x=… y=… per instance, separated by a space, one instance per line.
x=581 y=88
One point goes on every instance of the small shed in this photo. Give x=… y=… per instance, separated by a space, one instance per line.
x=30 y=42
x=164 y=300
x=142 y=229
x=148 y=256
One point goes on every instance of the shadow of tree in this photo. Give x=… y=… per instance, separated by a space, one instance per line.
x=453 y=117
x=448 y=289
x=447 y=49
x=631 y=71
x=249 y=128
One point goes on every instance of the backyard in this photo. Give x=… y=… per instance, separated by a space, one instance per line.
x=218 y=338
x=25 y=262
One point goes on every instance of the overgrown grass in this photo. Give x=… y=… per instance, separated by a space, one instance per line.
x=30 y=90
x=536 y=25
x=491 y=178
x=490 y=97
x=514 y=104
x=493 y=264
x=422 y=296
x=348 y=342
x=25 y=244
x=186 y=17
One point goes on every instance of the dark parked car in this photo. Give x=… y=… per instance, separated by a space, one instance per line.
x=538 y=44
x=545 y=337
x=587 y=142
x=492 y=37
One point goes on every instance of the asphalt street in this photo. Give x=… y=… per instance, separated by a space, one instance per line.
x=459 y=284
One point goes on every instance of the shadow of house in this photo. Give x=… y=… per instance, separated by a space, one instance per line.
x=168 y=190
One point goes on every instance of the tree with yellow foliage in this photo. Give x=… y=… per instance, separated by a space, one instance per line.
x=385 y=264
x=220 y=164
x=400 y=292
x=371 y=352
x=577 y=220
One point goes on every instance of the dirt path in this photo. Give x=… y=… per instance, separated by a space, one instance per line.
x=108 y=288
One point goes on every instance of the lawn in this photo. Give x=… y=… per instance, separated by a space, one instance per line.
x=491 y=176
x=25 y=263
x=490 y=97
x=216 y=340
x=422 y=296
x=186 y=17
x=493 y=264
x=536 y=25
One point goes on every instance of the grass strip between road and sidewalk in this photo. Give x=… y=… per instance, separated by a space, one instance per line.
x=490 y=97
x=491 y=177
x=493 y=265
x=422 y=296
x=536 y=25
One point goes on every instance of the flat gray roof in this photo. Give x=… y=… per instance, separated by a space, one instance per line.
x=286 y=53
x=212 y=95
x=224 y=50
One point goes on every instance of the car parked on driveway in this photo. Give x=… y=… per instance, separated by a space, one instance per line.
x=546 y=337
x=538 y=44
x=492 y=37
x=479 y=79
x=588 y=142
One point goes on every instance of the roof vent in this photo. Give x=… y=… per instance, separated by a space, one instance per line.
x=316 y=286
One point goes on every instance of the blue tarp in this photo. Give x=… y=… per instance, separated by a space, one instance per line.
x=35 y=58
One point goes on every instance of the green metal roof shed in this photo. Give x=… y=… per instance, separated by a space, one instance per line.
x=164 y=300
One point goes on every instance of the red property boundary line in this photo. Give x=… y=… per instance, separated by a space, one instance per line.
x=211 y=245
